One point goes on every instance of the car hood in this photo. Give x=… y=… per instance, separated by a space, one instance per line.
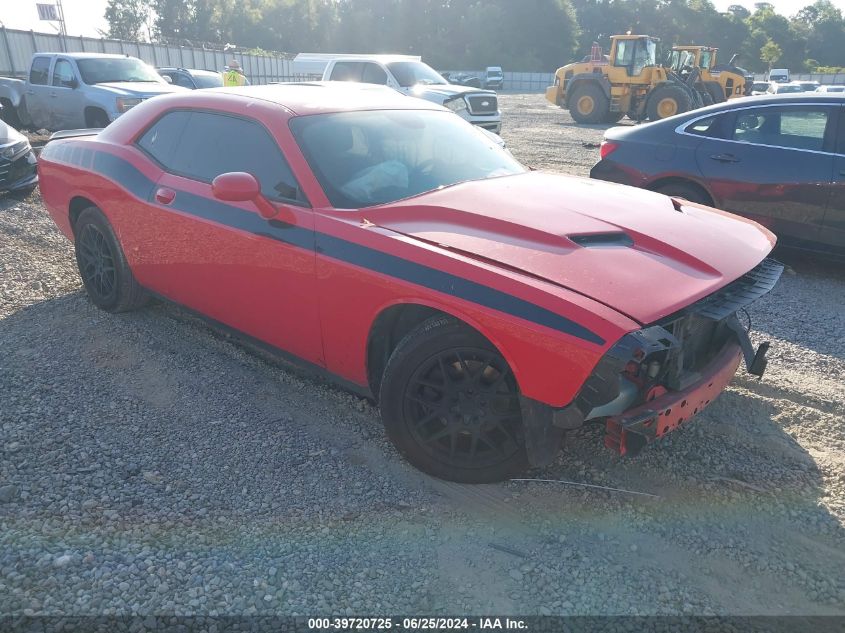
x=143 y=90
x=641 y=253
x=446 y=91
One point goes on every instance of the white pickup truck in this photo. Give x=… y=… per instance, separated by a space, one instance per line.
x=78 y=90
x=409 y=75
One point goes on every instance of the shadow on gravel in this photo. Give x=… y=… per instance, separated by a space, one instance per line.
x=145 y=451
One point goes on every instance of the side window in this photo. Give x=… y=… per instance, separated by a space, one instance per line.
x=793 y=128
x=38 y=72
x=711 y=127
x=63 y=74
x=162 y=139
x=181 y=79
x=374 y=74
x=840 y=143
x=347 y=71
x=213 y=144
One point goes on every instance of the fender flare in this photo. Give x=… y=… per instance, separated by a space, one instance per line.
x=583 y=78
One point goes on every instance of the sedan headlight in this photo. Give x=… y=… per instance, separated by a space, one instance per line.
x=10 y=151
x=456 y=105
x=126 y=104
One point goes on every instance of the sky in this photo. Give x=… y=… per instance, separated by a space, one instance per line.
x=85 y=17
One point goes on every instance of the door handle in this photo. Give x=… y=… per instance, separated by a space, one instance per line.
x=725 y=158
x=164 y=195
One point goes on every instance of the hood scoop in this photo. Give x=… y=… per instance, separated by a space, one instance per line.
x=598 y=240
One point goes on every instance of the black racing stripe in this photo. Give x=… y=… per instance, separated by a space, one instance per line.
x=131 y=178
x=449 y=284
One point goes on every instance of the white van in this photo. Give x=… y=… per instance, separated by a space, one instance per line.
x=779 y=75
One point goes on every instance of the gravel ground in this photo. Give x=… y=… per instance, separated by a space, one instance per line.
x=148 y=465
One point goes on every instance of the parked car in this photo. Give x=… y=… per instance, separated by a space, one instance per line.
x=17 y=161
x=412 y=77
x=779 y=75
x=464 y=79
x=191 y=78
x=486 y=307
x=808 y=86
x=494 y=78
x=760 y=88
x=778 y=160
x=790 y=88
x=830 y=88
x=76 y=90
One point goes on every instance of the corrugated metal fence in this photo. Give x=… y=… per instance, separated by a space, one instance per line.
x=822 y=78
x=17 y=48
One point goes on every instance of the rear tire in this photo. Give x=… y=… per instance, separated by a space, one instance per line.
x=588 y=104
x=714 y=89
x=690 y=192
x=105 y=273
x=667 y=101
x=450 y=405
x=614 y=117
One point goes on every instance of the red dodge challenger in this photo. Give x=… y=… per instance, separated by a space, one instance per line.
x=489 y=309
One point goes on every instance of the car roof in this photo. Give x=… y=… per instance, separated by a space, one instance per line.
x=88 y=55
x=327 y=96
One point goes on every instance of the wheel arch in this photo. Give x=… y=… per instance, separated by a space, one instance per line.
x=394 y=321
x=76 y=206
x=91 y=110
x=582 y=79
x=686 y=181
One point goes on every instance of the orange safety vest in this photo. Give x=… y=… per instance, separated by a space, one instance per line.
x=233 y=78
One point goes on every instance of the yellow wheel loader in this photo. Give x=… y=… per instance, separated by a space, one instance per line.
x=604 y=88
x=720 y=82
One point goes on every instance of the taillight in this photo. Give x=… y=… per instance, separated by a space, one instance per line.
x=607 y=148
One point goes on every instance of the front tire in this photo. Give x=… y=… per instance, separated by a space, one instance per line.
x=450 y=405
x=588 y=104
x=105 y=273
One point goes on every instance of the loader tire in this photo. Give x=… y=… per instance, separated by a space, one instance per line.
x=667 y=101
x=613 y=117
x=714 y=89
x=588 y=104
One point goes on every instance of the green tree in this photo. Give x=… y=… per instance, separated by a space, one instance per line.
x=127 y=18
x=770 y=53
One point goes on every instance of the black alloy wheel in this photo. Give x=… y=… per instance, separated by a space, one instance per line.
x=451 y=405
x=97 y=265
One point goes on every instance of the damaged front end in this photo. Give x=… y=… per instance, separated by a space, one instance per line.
x=655 y=379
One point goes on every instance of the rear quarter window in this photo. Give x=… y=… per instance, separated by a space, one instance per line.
x=38 y=74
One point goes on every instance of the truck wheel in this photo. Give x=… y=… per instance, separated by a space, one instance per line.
x=96 y=119
x=613 y=117
x=10 y=114
x=450 y=405
x=105 y=273
x=588 y=104
x=667 y=101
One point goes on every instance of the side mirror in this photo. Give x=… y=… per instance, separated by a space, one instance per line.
x=239 y=186
x=73 y=84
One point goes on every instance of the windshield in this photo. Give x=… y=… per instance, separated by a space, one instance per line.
x=210 y=80
x=369 y=158
x=790 y=89
x=410 y=74
x=106 y=70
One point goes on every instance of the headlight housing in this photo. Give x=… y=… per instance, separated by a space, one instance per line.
x=124 y=104
x=456 y=105
x=13 y=149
